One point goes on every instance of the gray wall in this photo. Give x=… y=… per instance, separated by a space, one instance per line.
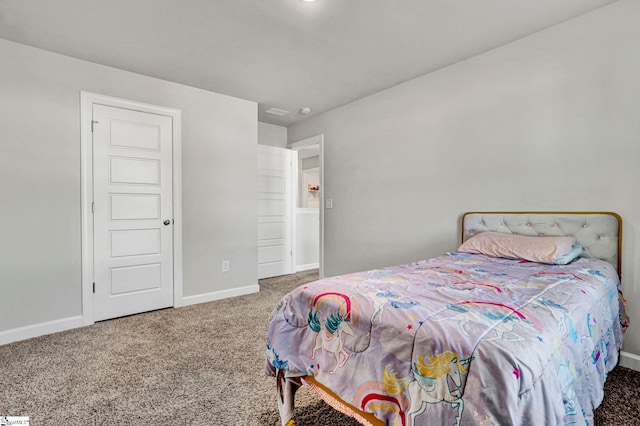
x=40 y=181
x=550 y=122
x=270 y=134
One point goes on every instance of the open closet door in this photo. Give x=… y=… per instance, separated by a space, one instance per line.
x=274 y=211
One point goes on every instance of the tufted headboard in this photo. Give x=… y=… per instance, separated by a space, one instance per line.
x=600 y=233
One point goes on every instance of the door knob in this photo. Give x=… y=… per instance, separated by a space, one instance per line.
x=167 y=222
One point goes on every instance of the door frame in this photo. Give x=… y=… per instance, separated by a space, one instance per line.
x=314 y=140
x=87 y=100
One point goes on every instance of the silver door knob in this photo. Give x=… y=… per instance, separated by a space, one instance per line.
x=167 y=222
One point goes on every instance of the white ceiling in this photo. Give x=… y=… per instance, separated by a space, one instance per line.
x=281 y=53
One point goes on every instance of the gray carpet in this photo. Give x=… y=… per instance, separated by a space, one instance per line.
x=197 y=365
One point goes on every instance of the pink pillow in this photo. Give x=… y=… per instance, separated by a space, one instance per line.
x=533 y=249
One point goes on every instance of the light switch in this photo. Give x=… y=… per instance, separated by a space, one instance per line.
x=328 y=203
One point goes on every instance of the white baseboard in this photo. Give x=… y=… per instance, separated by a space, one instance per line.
x=37 y=330
x=49 y=327
x=629 y=360
x=306 y=267
x=217 y=295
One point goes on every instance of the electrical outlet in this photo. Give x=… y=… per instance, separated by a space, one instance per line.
x=225 y=266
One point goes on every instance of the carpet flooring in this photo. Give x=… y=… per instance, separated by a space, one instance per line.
x=196 y=365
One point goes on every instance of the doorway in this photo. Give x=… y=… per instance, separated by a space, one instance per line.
x=308 y=213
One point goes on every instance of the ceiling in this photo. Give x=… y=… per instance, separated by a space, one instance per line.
x=286 y=54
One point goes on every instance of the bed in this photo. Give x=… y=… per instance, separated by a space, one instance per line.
x=477 y=336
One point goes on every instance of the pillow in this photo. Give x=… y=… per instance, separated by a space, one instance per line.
x=576 y=251
x=554 y=250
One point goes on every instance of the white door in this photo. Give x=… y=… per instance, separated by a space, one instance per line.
x=132 y=187
x=274 y=211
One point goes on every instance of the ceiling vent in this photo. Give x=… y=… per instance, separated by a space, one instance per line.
x=276 y=111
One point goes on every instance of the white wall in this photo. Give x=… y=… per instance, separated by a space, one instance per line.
x=270 y=134
x=549 y=122
x=307 y=238
x=40 y=276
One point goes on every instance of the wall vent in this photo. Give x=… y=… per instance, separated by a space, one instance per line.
x=276 y=111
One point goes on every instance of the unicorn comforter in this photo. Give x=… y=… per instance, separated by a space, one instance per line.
x=461 y=339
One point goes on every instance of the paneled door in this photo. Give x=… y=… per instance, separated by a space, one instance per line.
x=132 y=189
x=274 y=211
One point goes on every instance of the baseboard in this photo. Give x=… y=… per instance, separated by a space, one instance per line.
x=37 y=330
x=306 y=267
x=222 y=294
x=49 y=327
x=629 y=360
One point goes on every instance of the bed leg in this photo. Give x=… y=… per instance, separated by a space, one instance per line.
x=287 y=387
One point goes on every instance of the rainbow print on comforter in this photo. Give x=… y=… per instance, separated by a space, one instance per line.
x=461 y=339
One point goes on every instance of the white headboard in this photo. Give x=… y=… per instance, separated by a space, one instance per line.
x=600 y=233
